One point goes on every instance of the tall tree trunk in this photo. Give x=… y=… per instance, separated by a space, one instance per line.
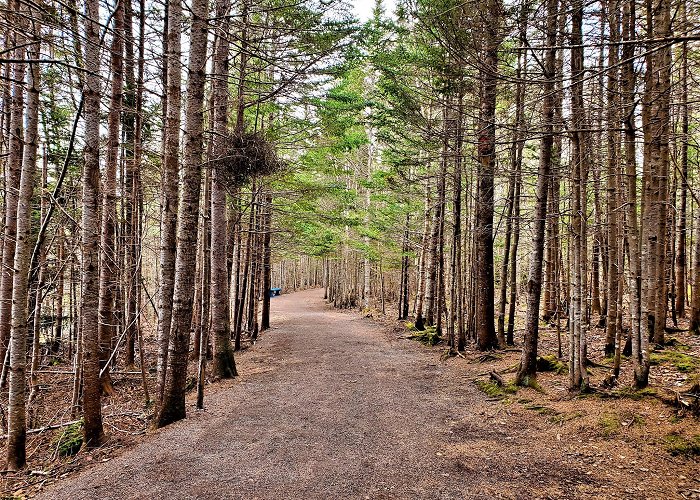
x=640 y=354
x=267 y=258
x=613 y=91
x=656 y=123
x=486 y=332
x=169 y=182
x=108 y=255
x=578 y=322
x=681 y=253
x=422 y=261
x=528 y=363
x=224 y=365
x=17 y=424
x=89 y=312
x=12 y=179
x=173 y=407
x=515 y=157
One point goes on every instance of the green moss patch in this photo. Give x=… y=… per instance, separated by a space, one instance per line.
x=69 y=441
x=609 y=424
x=684 y=363
x=550 y=363
x=494 y=390
x=429 y=336
x=678 y=445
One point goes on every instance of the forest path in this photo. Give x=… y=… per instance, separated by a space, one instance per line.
x=330 y=405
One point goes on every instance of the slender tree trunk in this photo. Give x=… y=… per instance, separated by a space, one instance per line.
x=578 y=321
x=422 y=262
x=614 y=272
x=17 y=424
x=169 y=182
x=528 y=363
x=640 y=354
x=12 y=180
x=108 y=256
x=173 y=407
x=486 y=333
x=681 y=253
x=267 y=264
x=656 y=123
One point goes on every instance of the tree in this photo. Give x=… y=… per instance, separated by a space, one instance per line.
x=17 y=425
x=89 y=314
x=173 y=402
x=486 y=333
x=224 y=364
x=528 y=363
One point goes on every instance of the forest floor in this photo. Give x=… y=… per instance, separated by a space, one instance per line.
x=330 y=404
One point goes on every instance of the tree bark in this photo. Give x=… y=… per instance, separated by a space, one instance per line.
x=173 y=406
x=486 y=332
x=528 y=362
x=169 y=182
x=17 y=424
x=89 y=312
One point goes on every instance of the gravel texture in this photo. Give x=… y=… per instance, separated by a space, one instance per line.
x=332 y=405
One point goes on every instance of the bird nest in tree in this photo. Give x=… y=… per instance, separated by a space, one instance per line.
x=248 y=155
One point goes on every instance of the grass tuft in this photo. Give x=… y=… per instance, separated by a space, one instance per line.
x=69 y=441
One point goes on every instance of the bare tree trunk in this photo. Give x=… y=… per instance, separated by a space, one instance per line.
x=17 y=424
x=224 y=365
x=12 y=179
x=267 y=265
x=578 y=321
x=486 y=332
x=39 y=291
x=422 y=261
x=89 y=312
x=528 y=363
x=655 y=121
x=516 y=157
x=173 y=407
x=169 y=182
x=640 y=354
x=108 y=256
x=613 y=91
x=681 y=253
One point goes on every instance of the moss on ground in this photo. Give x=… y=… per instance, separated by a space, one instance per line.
x=684 y=363
x=69 y=441
x=429 y=336
x=494 y=390
x=678 y=445
x=609 y=424
x=550 y=363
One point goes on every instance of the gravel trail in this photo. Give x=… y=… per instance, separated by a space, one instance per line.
x=329 y=405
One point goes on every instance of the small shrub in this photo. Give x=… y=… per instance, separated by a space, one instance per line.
x=70 y=440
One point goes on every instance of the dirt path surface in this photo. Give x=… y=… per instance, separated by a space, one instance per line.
x=330 y=405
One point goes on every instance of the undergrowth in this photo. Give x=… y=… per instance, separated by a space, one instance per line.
x=678 y=445
x=684 y=363
x=494 y=390
x=69 y=441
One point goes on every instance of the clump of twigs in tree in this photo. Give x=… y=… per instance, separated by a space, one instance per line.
x=248 y=155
